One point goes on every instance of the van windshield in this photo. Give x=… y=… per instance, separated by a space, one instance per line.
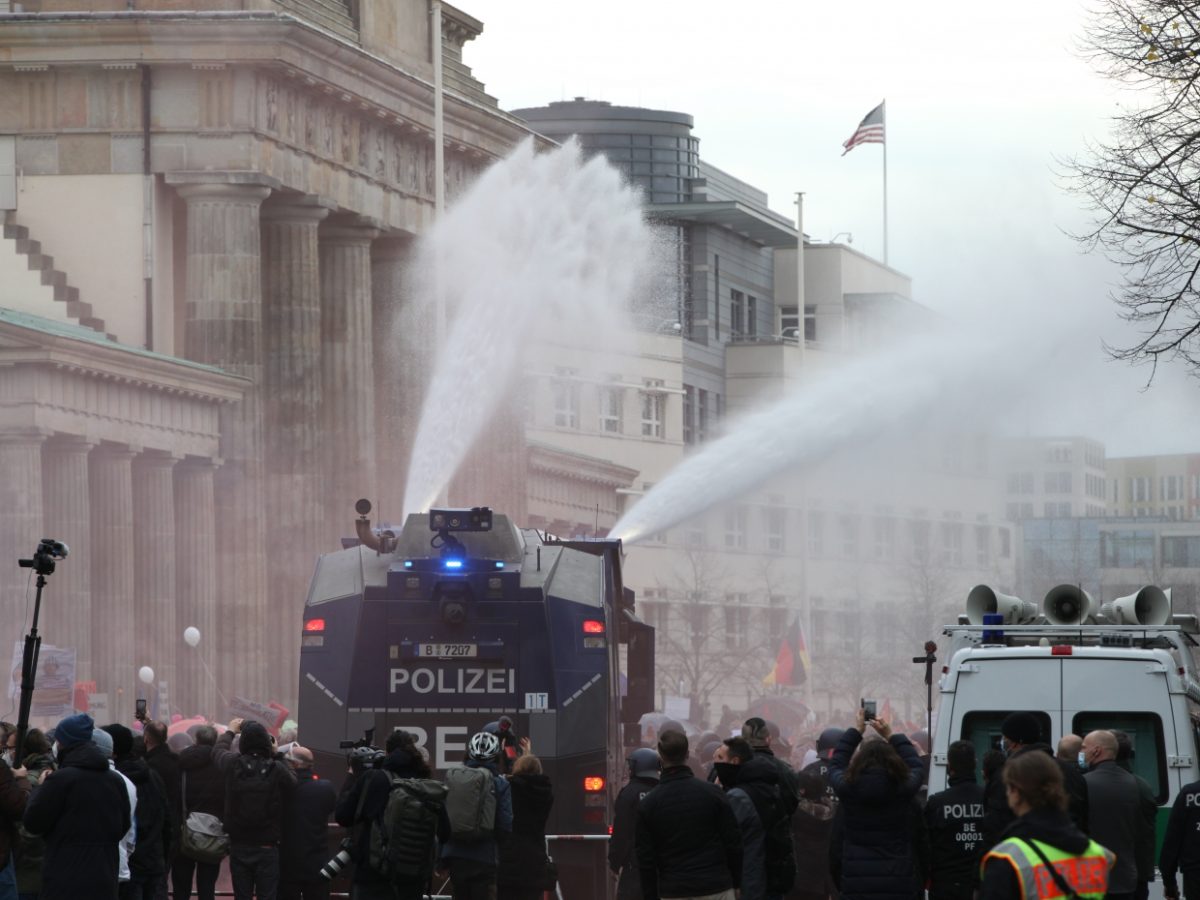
x=1146 y=733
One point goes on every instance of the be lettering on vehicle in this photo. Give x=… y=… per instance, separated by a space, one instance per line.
x=455 y=681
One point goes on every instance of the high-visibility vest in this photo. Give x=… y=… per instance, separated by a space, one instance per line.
x=1085 y=873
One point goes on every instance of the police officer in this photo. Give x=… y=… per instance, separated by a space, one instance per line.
x=1181 y=845
x=1043 y=855
x=954 y=820
x=644 y=768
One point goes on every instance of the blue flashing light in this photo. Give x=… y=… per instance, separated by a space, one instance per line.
x=408 y=564
x=499 y=564
x=452 y=563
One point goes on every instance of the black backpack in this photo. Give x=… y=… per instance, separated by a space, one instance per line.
x=252 y=800
x=401 y=841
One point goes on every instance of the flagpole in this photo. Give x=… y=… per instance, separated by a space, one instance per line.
x=883 y=108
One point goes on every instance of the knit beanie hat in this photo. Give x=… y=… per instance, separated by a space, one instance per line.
x=122 y=739
x=1021 y=727
x=74 y=730
x=104 y=741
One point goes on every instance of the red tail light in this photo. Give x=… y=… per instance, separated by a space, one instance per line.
x=1060 y=650
x=593 y=626
x=593 y=783
x=314 y=626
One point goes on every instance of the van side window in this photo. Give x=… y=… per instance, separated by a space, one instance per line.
x=1146 y=732
x=982 y=728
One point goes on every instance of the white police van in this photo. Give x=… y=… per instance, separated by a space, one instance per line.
x=1128 y=665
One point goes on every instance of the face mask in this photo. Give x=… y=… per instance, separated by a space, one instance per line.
x=1082 y=760
x=727 y=773
x=1004 y=746
x=9 y=756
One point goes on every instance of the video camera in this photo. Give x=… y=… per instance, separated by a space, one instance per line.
x=363 y=752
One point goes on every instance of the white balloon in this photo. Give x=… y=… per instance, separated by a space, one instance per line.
x=191 y=636
x=146 y=674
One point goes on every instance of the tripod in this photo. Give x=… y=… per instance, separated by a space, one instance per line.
x=44 y=558
x=928 y=660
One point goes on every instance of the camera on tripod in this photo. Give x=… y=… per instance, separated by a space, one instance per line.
x=48 y=552
x=363 y=752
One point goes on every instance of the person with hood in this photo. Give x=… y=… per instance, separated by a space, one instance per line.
x=82 y=810
x=473 y=864
x=812 y=823
x=362 y=802
x=202 y=790
x=523 y=873
x=148 y=862
x=644 y=769
x=954 y=819
x=1042 y=854
x=876 y=782
x=305 y=845
x=258 y=787
x=1022 y=733
x=757 y=733
x=28 y=851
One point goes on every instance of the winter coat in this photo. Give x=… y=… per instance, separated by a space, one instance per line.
x=998 y=816
x=1181 y=843
x=165 y=762
x=1116 y=821
x=759 y=779
x=14 y=792
x=29 y=851
x=149 y=858
x=878 y=849
x=83 y=812
x=254 y=827
x=754 y=859
x=205 y=783
x=622 y=854
x=377 y=786
x=304 y=848
x=954 y=820
x=487 y=851
x=688 y=841
x=1046 y=825
x=812 y=826
x=523 y=855
x=789 y=786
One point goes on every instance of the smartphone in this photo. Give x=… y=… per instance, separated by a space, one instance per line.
x=868 y=708
x=140 y=709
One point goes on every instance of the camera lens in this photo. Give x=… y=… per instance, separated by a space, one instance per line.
x=334 y=867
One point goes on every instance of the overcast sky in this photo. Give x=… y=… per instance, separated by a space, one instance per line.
x=982 y=101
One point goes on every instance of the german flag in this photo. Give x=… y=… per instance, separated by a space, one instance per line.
x=791 y=661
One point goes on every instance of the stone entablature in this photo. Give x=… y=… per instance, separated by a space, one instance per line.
x=54 y=378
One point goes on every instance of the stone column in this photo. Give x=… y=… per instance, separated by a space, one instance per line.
x=67 y=615
x=117 y=655
x=347 y=371
x=196 y=586
x=159 y=640
x=403 y=352
x=21 y=527
x=224 y=328
x=292 y=410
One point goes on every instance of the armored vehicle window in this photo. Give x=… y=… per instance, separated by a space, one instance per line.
x=982 y=728
x=1145 y=730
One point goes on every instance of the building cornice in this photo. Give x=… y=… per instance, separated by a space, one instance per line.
x=579 y=467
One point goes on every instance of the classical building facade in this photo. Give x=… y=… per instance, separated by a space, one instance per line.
x=203 y=375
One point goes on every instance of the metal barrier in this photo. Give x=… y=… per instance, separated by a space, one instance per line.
x=571 y=837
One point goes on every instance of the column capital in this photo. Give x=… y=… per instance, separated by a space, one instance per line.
x=297 y=208
x=236 y=186
x=71 y=443
x=25 y=435
x=158 y=459
x=350 y=229
x=392 y=246
x=114 y=450
x=200 y=463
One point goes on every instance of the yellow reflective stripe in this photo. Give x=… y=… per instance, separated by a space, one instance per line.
x=1015 y=862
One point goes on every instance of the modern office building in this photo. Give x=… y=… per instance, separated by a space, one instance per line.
x=1165 y=486
x=1053 y=477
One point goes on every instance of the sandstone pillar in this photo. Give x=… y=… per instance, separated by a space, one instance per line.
x=196 y=586
x=224 y=328
x=159 y=640
x=117 y=656
x=67 y=613
x=21 y=527
x=292 y=411
x=403 y=353
x=347 y=371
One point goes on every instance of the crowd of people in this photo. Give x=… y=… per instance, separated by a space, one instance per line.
x=111 y=814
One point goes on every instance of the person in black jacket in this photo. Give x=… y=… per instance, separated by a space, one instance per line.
x=876 y=787
x=82 y=809
x=688 y=841
x=362 y=801
x=757 y=733
x=644 y=772
x=148 y=862
x=305 y=845
x=812 y=824
x=258 y=786
x=1181 y=845
x=523 y=864
x=954 y=820
x=202 y=790
x=165 y=761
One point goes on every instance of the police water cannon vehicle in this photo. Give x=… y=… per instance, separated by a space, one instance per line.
x=1078 y=666
x=462 y=622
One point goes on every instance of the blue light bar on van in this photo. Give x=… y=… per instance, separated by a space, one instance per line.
x=499 y=564
x=452 y=563
x=408 y=564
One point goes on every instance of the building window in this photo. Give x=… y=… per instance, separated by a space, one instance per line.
x=751 y=316
x=1026 y=510
x=1058 y=482
x=848 y=525
x=1014 y=483
x=952 y=544
x=611 y=401
x=1012 y=511
x=885 y=539
x=716 y=296
x=983 y=549
x=810 y=323
x=1005 y=543
x=735 y=528
x=1026 y=482
x=776 y=524
x=737 y=313
x=737 y=627
x=1139 y=490
x=789 y=323
x=702 y=415
x=696 y=537
x=1181 y=552
x=777 y=615
x=1170 y=488
x=1127 y=549
x=689 y=414
x=918 y=533
x=654 y=403
x=816 y=533
x=566 y=398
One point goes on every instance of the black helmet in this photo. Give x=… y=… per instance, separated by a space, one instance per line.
x=829 y=739
x=644 y=763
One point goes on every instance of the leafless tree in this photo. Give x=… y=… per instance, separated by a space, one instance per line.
x=1143 y=183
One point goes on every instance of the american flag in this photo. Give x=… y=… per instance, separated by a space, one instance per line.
x=869 y=130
